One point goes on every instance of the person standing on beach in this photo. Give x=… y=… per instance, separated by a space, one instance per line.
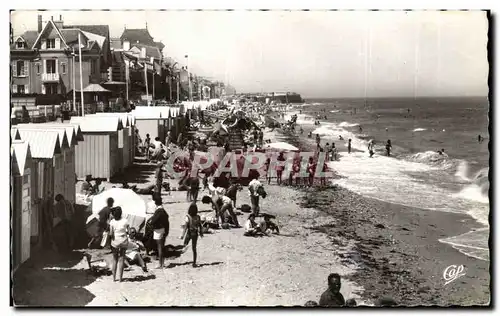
x=161 y=225
x=318 y=140
x=332 y=296
x=191 y=230
x=147 y=143
x=279 y=169
x=159 y=178
x=327 y=151
x=311 y=168
x=118 y=230
x=370 y=147
x=349 y=146
x=388 y=148
x=253 y=191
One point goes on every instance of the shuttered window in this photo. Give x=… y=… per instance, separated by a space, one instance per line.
x=51 y=43
x=63 y=68
x=21 y=68
x=37 y=68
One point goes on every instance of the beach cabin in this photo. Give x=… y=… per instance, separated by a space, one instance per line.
x=66 y=133
x=123 y=138
x=60 y=176
x=131 y=134
x=147 y=121
x=98 y=154
x=45 y=149
x=21 y=201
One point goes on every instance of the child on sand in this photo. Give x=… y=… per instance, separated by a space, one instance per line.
x=134 y=247
x=251 y=227
x=268 y=226
x=192 y=229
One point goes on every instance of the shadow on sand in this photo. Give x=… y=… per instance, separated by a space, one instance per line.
x=137 y=173
x=199 y=265
x=48 y=280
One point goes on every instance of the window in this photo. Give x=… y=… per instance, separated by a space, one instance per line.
x=20 y=88
x=38 y=68
x=51 y=88
x=20 y=68
x=51 y=43
x=93 y=67
x=20 y=44
x=51 y=66
x=63 y=68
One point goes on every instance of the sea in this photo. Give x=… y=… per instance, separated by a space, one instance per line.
x=415 y=174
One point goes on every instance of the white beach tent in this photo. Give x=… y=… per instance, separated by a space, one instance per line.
x=281 y=146
x=133 y=206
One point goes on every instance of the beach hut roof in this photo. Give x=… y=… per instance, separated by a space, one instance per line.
x=147 y=112
x=43 y=144
x=75 y=126
x=20 y=153
x=63 y=139
x=131 y=118
x=95 y=124
x=14 y=134
x=70 y=131
x=122 y=116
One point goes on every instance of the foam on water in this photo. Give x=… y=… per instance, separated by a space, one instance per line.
x=386 y=179
x=474 y=243
x=334 y=111
x=419 y=129
x=347 y=124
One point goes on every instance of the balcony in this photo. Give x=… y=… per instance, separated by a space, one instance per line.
x=50 y=77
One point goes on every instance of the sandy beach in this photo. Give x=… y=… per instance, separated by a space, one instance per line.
x=379 y=249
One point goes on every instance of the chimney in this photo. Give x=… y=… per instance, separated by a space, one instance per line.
x=39 y=23
x=59 y=23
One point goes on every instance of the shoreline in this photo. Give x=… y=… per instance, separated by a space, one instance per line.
x=405 y=259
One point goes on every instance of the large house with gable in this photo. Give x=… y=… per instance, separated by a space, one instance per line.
x=42 y=59
x=136 y=49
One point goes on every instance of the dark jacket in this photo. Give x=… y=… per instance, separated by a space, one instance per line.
x=331 y=300
x=160 y=220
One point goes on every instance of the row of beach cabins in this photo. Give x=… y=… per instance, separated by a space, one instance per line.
x=49 y=158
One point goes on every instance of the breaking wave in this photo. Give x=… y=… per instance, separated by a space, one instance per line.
x=419 y=129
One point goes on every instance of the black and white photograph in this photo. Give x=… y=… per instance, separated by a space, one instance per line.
x=250 y=158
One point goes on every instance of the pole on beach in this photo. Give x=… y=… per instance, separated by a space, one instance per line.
x=146 y=81
x=178 y=87
x=81 y=77
x=189 y=78
x=73 y=108
x=127 y=74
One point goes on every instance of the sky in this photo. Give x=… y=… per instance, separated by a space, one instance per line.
x=315 y=53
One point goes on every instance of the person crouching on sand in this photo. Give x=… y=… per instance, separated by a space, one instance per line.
x=268 y=226
x=134 y=247
x=332 y=296
x=191 y=230
x=251 y=227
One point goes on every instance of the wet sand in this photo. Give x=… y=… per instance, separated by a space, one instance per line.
x=396 y=249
